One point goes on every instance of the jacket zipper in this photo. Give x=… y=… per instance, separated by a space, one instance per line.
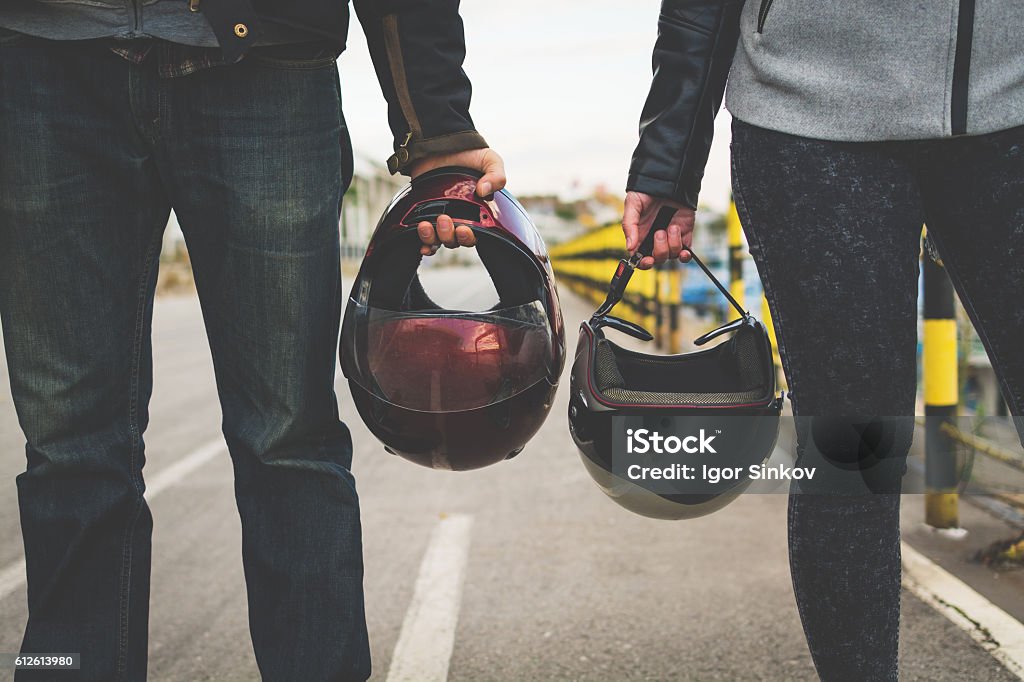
x=961 y=68
x=762 y=14
x=393 y=49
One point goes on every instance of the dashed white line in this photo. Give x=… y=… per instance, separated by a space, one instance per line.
x=424 y=649
x=12 y=576
x=995 y=630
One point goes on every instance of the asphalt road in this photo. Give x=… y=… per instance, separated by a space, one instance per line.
x=560 y=583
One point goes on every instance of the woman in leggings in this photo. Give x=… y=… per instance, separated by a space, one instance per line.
x=855 y=123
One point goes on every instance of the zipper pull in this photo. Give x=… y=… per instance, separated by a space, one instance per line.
x=193 y=5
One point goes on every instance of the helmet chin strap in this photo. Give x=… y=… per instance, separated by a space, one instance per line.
x=624 y=271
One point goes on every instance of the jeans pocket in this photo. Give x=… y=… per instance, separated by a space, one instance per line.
x=295 y=56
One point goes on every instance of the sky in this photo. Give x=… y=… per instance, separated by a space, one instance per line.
x=582 y=68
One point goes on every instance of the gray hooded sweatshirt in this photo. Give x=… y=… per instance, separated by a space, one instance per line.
x=879 y=69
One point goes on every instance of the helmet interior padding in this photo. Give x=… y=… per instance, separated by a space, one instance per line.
x=731 y=373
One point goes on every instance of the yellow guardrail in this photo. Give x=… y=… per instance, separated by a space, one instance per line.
x=585 y=265
x=654 y=297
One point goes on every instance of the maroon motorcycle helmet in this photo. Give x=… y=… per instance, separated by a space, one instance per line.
x=453 y=389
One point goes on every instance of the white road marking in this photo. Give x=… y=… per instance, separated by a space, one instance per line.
x=183 y=467
x=995 y=630
x=425 y=644
x=12 y=577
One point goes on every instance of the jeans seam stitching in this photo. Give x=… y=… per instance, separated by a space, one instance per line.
x=769 y=291
x=136 y=444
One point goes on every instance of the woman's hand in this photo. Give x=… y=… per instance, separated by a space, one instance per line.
x=488 y=162
x=637 y=217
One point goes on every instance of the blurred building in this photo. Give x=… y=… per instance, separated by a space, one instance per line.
x=560 y=219
x=369 y=194
x=549 y=216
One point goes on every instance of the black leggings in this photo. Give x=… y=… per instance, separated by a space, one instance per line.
x=834 y=228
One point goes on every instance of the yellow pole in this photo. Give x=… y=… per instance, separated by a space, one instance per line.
x=734 y=232
x=941 y=396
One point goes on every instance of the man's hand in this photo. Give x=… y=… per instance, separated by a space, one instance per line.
x=637 y=217
x=487 y=162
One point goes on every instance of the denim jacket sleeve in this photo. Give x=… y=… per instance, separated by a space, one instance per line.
x=418 y=47
x=692 y=56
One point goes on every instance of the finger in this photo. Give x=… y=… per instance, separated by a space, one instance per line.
x=494 y=175
x=464 y=236
x=631 y=224
x=646 y=263
x=446 y=231
x=660 y=251
x=685 y=255
x=426 y=232
x=675 y=241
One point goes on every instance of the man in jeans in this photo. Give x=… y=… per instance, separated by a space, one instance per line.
x=111 y=113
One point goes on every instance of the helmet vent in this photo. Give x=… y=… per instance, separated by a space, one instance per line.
x=457 y=209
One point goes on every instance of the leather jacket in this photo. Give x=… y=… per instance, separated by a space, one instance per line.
x=853 y=71
x=417 y=47
x=692 y=57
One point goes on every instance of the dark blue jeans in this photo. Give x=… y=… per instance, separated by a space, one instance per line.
x=834 y=228
x=94 y=152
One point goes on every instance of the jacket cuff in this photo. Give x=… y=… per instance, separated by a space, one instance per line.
x=412 y=151
x=684 y=192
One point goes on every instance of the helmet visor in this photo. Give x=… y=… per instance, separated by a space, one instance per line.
x=446 y=361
